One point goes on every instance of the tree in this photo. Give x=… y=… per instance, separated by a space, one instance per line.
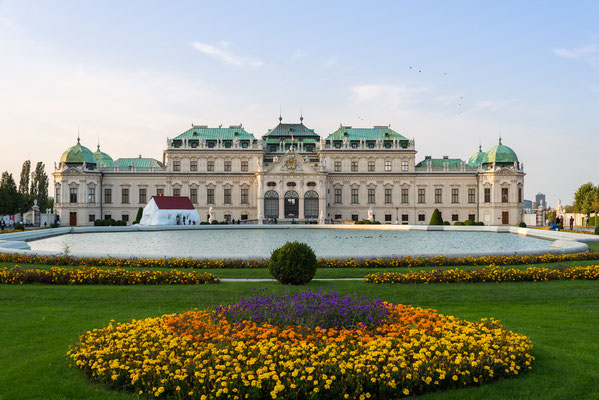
x=436 y=218
x=582 y=200
x=39 y=186
x=9 y=196
x=24 y=182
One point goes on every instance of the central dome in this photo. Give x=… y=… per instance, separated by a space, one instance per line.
x=500 y=154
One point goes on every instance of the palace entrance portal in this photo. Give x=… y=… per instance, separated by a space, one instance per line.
x=291 y=204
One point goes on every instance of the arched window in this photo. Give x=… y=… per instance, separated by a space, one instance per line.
x=271 y=204
x=291 y=204
x=311 y=204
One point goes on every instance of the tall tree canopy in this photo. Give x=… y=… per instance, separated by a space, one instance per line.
x=39 y=186
x=25 y=173
x=583 y=198
x=9 y=197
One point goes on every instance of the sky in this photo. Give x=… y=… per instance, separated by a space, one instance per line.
x=450 y=75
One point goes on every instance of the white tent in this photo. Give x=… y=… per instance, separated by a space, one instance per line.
x=170 y=210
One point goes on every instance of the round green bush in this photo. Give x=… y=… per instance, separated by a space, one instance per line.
x=446 y=223
x=468 y=222
x=458 y=223
x=522 y=224
x=293 y=264
x=597 y=230
x=479 y=223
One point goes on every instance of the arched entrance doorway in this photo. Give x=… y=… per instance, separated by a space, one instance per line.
x=291 y=204
x=271 y=204
x=311 y=204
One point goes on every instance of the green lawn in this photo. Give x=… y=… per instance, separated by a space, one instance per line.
x=39 y=322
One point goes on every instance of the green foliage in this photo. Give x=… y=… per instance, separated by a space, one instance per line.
x=446 y=223
x=140 y=212
x=9 y=197
x=597 y=230
x=366 y=222
x=214 y=222
x=294 y=263
x=522 y=224
x=39 y=186
x=583 y=198
x=436 y=218
x=54 y=225
x=460 y=223
x=468 y=222
x=25 y=173
x=109 y=222
x=19 y=227
x=479 y=223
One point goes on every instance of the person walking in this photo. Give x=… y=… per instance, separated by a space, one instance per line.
x=587 y=223
x=571 y=222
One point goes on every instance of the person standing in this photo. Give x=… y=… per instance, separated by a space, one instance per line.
x=571 y=222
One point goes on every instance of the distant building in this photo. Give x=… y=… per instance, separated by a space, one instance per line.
x=540 y=200
x=528 y=206
x=292 y=174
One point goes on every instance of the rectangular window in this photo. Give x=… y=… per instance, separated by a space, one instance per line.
x=244 y=196
x=210 y=165
x=404 y=196
x=107 y=196
x=227 y=193
x=487 y=195
x=421 y=193
x=370 y=165
x=388 y=196
x=244 y=166
x=455 y=196
x=387 y=165
x=73 y=195
x=337 y=166
x=354 y=166
x=338 y=198
x=244 y=217
x=354 y=196
x=454 y=217
x=160 y=192
x=371 y=196
x=354 y=217
x=404 y=166
x=176 y=192
x=125 y=196
x=227 y=165
x=125 y=217
x=193 y=195
x=92 y=217
x=193 y=165
x=438 y=195
x=519 y=195
x=471 y=217
x=504 y=195
x=176 y=165
x=107 y=216
x=91 y=195
x=210 y=196
x=57 y=198
x=142 y=195
x=421 y=217
x=388 y=217
x=471 y=196
x=338 y=216
x=404 y=217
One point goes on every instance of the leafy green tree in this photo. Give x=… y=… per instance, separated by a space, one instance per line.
x=39 y=186
x=140 y=213
x=9 y=196
x=25 y=173
x=582 y=200
x=436 y=218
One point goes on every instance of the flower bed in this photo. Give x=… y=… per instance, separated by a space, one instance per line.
x=489 y=274
x=96 y=276
x=231 y=352
x=400 y=262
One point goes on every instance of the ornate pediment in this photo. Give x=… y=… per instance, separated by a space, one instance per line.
x=290 y=163
x=71 y=171
x=505 y=172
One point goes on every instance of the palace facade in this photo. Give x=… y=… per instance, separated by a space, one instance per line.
x=293 y=174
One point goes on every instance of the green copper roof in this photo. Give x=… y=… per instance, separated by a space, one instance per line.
x=288 y=130
x=375 y=133
x=439 y=163
x=500 y=154
x=203 y=132
x=78 y=154
x=137 y=163
x=477 y=158
x=103 y=159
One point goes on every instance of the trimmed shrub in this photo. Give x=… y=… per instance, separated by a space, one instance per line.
x=54 y=225
x=459 y=223
x=436 y=218
x=479 y=223
x=19 y=227
x=214 y=222
x=522 y=224
x=468 y=222
x=597 y=230
x=140 y=212
x=446 y=223
x=294 y=264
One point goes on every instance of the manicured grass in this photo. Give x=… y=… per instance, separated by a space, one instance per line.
x=594 y=246
x=560 y=317
x=321 y=273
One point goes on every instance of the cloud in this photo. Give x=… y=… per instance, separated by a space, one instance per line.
x=579 y=52
x=297 y=55
x=330 y=62
x=393 y=95
x=221 y=53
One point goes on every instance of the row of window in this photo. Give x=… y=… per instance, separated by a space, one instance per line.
x=193 y=165
x=371 y=166
x=405 y=218
x=193 y=195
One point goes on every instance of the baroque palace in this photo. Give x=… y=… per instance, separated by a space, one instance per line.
x=293 y=174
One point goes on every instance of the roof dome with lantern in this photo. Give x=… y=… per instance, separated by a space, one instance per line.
x=102 y=159
x=477 y=158
x=500 y=155
x=78 y=155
